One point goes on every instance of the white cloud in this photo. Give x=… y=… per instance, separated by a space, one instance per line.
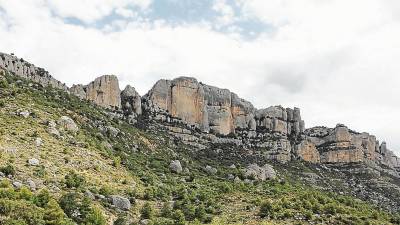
x=89 y=11
x=226 y=12
x=337 y=60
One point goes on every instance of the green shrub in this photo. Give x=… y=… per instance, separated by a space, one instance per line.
x=54 y=215
x=266 y=209
x=179 y=218
x=42 y=198
x=95 y=217
x=147 y=211
x=8 y=170
x=74 y=180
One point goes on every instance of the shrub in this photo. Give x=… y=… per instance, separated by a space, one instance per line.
x=42 y=198
x=54 y=215
x=266 y=209
x=8 y=170
x=77 y=208
x=74 y=180
x=95 y=217
x=179 y=218
x=106 y=191
x=166 y=211
x=147 y=211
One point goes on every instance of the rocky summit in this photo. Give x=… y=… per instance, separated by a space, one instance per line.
x=184 y=153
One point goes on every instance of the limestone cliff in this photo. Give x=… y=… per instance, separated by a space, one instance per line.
x=26 y=70
x=216 y=116
x=206 y=107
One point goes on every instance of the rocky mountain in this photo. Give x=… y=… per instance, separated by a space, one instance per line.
x=194 y=130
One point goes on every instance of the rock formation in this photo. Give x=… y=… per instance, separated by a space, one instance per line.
x=104 y=91
x=218 y=110
x=215 y=116
x=26 y=70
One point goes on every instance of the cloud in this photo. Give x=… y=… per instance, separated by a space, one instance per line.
x=88 y=11
x=337 y=60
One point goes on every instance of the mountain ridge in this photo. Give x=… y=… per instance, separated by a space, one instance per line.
x=221 y=112
x=122 y=156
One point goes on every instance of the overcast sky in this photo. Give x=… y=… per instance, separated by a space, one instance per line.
x=338 y=60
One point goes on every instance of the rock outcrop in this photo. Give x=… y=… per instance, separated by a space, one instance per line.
x=342 y=145
x=26 y=70
x=104 y=91
x=201 y=116
x=217 y=110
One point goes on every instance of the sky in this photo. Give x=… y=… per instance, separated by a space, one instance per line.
x=337 y=60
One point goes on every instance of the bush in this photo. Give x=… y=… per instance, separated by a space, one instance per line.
x=74 y=180
x=42 y=198
x=179 y=218
x=147 y=211
x=95 y=217
x=266 y=210
x=8 y=170
x=54 y=215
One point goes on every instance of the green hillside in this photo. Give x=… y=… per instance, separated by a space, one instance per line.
x=87 y=175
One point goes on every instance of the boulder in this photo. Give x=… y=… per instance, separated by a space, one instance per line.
x=68 y=124
x=175 y=166
x=256 y=172
x=33 y=162
x=210 y=170
x=38 y=142
x=24 y=114
x=120 y=202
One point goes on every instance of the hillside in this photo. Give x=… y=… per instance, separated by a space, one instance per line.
x=186 y=153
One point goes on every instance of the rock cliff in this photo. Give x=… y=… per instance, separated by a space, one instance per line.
x=26 y=70
x=103 y=91
x=205 y=116
x=217 y=110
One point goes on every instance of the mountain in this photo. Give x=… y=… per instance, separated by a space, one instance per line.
x=185 y=153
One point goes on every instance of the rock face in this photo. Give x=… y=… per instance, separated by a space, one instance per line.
x=216 y=116
x=210 y=108
x=341 y=145
x=104 y=91
x=29 y=71
x=131 y=101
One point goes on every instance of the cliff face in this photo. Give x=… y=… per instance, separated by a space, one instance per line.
x=215 y=116
x=218 y=110
x=29 y=71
